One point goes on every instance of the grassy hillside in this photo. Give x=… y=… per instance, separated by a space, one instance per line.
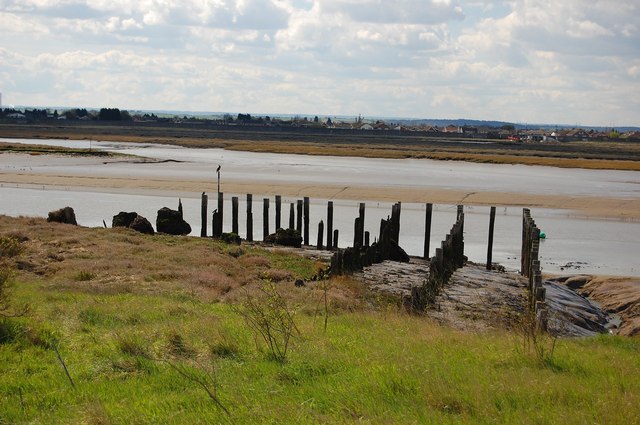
x=154 y=330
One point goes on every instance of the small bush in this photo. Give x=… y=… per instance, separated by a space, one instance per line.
x=270 y=317
x=536 y=341
x=10 y=247
x=231 y=238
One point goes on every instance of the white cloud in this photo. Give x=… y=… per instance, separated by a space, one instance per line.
x=520 y=60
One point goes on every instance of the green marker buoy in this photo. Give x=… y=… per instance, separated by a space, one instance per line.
x=543 y=235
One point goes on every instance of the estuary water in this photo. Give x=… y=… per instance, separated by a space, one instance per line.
x=574 y=244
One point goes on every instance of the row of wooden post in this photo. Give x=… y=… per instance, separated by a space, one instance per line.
x=447 y=258
x=530 y=267
x=299 y=221
x=360 y=238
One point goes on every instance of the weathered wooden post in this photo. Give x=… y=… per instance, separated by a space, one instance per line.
x=214 y=224
x=320 y=234
x=306 y=220
x=336 y=233
x=299 y=216
x=395 y=220
x=265 y=218
x=220 y=213
x=234 y=215
x=204 y=214
x=367 y=239
x=330 y=225
x=249 y=217
x=360 y=234
x=427 y=231
x=492 y=220
x=523 y=250
x=292 y=216
x=356 y=232
x=278 y=212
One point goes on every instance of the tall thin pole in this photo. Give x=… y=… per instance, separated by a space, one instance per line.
x=218 y=171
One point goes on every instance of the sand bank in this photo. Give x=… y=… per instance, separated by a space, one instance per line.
x=615 y=208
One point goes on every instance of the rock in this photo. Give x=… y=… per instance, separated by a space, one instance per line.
x=300 y=283
x=171 y=222
x=285 y=237
x=64 y=215
x=577 y=282
x=619 y=296
x=123 y=219
x=132 y=220
x=142 y=225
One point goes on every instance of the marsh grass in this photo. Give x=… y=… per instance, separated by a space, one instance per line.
x=370 y=365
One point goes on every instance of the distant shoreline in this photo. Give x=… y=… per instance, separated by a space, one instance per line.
x=587 y=155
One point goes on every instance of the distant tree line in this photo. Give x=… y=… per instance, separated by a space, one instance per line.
x=113 y=114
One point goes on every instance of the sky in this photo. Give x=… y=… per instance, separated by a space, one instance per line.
x=573 y=62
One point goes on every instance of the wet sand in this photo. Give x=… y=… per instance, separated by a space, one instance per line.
x=584 y=206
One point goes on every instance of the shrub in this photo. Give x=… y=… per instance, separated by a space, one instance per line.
x=231 y=238
x=10 y=247
x=270 y=317
x=536 y=341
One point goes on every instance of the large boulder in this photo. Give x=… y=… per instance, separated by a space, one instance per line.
x=285 y=237
x=123 y=219
x=142 y=225
x=171 y=222
x=64 y=215
x=132 y=220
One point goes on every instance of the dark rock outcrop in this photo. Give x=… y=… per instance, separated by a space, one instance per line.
x=285 y=237
x=142 y=225
x=64 y=215
x=123 y=219
x=132 y=220
x=171 y=222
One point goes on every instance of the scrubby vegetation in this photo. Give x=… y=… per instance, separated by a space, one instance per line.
x=150 y=330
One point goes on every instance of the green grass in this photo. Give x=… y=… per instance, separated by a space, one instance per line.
x=131 y=315
x=368 y=367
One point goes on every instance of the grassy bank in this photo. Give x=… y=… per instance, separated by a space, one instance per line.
x=146 y=325
x=591 y=155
